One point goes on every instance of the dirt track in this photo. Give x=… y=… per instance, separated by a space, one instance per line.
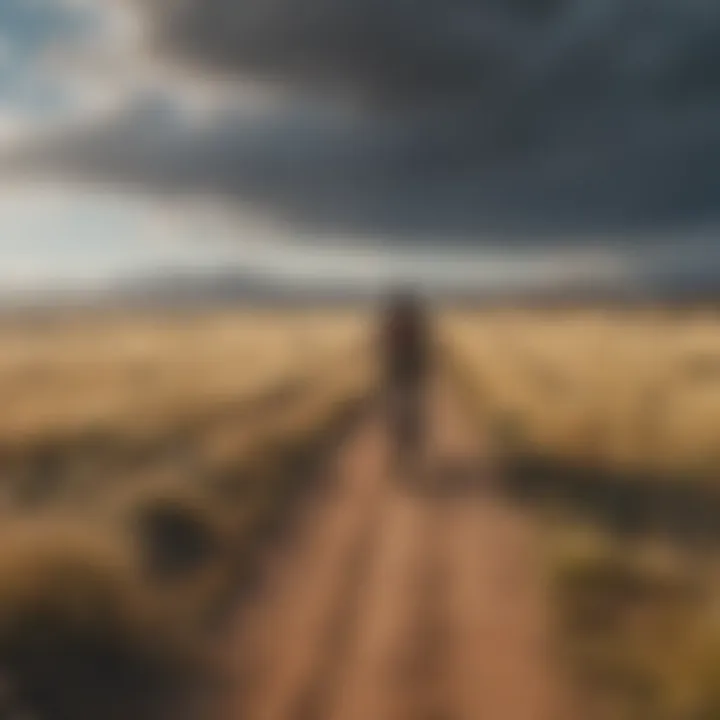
x=395 y=604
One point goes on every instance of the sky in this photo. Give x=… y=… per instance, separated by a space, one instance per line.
x=463 y=142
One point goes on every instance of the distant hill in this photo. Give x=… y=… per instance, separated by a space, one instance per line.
x=197 y=290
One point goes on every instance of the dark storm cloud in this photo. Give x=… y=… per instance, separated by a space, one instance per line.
x=538 y=54
x=394 y=50
x=346 y=174
x=468 y=115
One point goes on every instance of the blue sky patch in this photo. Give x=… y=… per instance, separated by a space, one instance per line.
x=27 y=29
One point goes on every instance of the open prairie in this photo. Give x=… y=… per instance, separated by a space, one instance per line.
x=606 y=424
x=143 y=457
x=202 y=519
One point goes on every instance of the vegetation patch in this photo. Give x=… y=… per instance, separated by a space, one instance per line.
x=80 y=636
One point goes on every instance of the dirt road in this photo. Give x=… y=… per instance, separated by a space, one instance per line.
x=396 y=604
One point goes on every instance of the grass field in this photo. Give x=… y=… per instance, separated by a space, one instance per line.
x=143 y=458
x=630 y=392
x=146 y=458
x=608 y=422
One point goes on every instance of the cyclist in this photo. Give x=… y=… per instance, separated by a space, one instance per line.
x=406 y=359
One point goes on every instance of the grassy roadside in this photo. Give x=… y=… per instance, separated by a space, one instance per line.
x=106 y=607
x=636 y=603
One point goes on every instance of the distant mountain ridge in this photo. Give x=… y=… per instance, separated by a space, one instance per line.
x=188 y=290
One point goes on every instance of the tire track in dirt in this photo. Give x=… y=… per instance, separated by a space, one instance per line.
x=422 y=692
x=378 y=665
x=401 y=602
x=499 y=608
x=313 y=699
x=277 y=642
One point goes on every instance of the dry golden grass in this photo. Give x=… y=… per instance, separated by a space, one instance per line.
x=638 y=630
x=89 y=397
x=632 y=391
x=143 y=460
x=612 y=420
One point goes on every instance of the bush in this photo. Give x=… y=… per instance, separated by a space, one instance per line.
x=178 y=532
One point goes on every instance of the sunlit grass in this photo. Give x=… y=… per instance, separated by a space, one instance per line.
x=144 y=460
x=609 y=422
x=632 y=391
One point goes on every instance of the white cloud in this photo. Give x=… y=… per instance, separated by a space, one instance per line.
x=100 y=69
x=73 y=235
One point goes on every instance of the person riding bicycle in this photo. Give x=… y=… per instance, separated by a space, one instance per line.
x=406 y=360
